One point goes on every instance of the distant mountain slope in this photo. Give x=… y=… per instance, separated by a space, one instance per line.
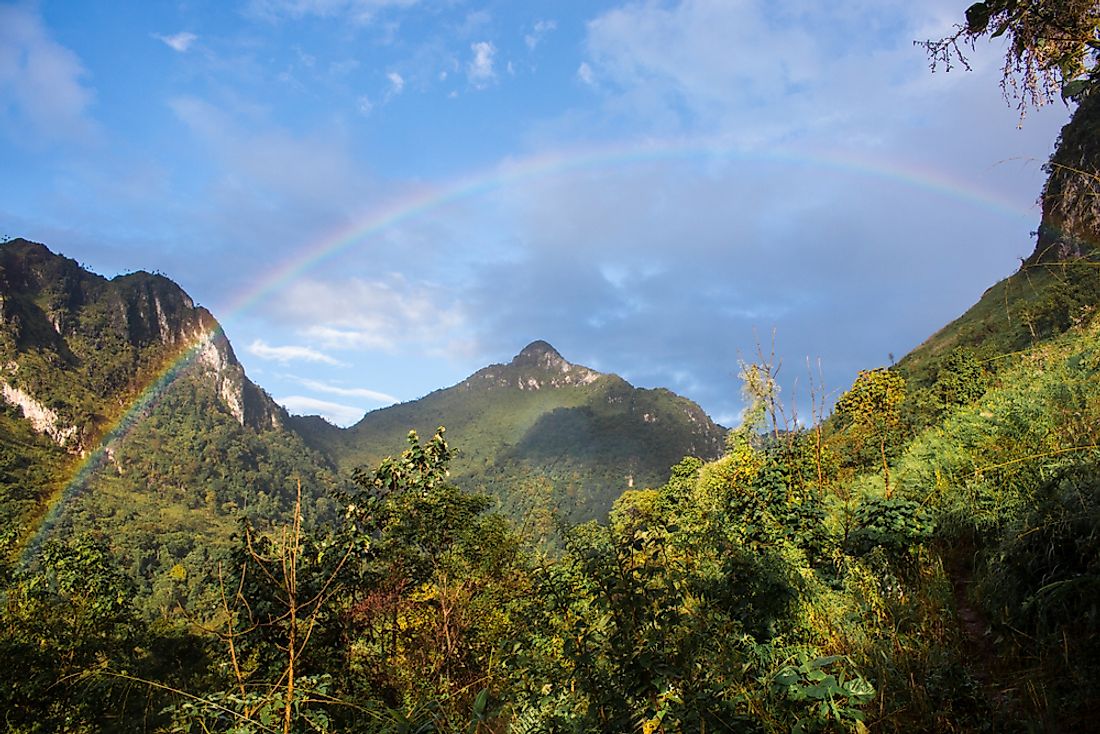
x=573 y=437
x=81 y=355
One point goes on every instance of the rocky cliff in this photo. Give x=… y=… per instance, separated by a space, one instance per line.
x=76 y=349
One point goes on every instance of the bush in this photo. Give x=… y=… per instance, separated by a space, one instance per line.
x=896 y=525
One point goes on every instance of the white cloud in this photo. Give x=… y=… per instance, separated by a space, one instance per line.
x=585 y=74
x=540 y=29
x=358 y=314
x=290 y=353
x=348 y=392
x=179 y=41
x=397 y=82
x=41 y=82
x=357 y=11
x=705 y=60
x=338 y=413
x=480 y=70
x=364 y=105
x=765 y=71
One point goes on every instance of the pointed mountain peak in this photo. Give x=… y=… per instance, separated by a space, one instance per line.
x=538 y=353
x=537 y=366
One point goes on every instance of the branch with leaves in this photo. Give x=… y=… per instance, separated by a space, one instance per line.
x=1053 y=47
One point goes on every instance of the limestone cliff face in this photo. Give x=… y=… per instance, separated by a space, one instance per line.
x=77 y=348
x=41 y=418
x=1071 y=198
x=249 y=404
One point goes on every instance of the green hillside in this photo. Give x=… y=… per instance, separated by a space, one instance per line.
x=538 y=433
x=126 y=417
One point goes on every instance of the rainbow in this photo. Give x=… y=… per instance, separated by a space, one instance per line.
x=421 y=201
x=95 y=459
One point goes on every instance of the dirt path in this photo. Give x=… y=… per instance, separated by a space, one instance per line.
x=983 y=660
x=981 y=655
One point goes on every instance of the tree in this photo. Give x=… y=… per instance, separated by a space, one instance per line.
x=873 y=406
x=67 y=617
x=279 y=595
x=430 y=604
x=1053 y=46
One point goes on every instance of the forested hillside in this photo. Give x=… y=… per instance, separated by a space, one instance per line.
x=128 y=417
x=538 y=434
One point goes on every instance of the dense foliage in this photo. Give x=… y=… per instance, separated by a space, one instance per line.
x=786 y=586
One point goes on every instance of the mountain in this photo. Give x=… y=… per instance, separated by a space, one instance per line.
x=126 y=414
x=538 y=432
x=78 y=342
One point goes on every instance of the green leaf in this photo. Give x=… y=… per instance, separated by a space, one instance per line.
x=859 y=690
x=1074 y=89
x=977 y=18
x=787 y=677
x=481 y=702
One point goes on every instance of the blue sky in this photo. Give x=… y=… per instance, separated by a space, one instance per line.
x=378 y=197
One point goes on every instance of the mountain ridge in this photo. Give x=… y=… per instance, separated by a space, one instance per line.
x=53 y=308
x=582 y=435
x=78 y=351
x=124 y=413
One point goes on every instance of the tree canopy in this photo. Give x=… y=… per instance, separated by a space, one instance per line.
x=1053 y=46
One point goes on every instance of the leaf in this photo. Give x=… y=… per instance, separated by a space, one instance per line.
x=787 y=677
x=859 y=690
x=977 y=18
x=825 y=661
x=481 y=702
x=1074 y=89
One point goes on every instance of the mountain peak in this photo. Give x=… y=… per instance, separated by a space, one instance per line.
x=537 y=352
x=537 y=366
